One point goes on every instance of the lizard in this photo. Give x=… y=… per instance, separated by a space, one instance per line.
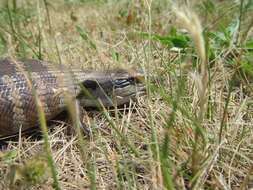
x=19 y=80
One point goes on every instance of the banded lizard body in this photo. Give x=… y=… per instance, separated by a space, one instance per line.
x=51 y=82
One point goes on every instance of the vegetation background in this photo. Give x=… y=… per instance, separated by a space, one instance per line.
x=193 y=130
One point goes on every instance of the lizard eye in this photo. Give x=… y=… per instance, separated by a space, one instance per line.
x=121 y=83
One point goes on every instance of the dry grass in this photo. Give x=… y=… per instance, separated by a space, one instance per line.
x=194 y=131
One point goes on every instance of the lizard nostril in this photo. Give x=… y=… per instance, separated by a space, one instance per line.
x=140 y=79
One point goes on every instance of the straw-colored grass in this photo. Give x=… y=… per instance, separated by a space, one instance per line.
x=194 y=129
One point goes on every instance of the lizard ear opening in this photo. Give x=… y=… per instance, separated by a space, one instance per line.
x=90 y=84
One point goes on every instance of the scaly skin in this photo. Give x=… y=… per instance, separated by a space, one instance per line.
x=51 y=83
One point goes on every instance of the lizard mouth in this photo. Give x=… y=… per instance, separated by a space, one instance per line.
x=111 y=93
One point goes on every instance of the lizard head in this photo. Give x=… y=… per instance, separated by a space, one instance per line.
x=112 y=88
